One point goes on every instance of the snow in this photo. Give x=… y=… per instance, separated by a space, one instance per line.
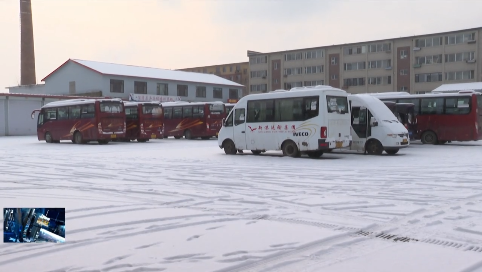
x=183 y=205
x=476 y=86
x=156 y=73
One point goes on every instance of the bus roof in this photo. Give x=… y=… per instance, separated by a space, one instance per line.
x=185 y=103
x=135 y=103
x=408 y=96
x=73 y=102
x=294 y=92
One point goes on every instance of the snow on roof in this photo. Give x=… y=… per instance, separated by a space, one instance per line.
x=185 y=103
x=454 y=87
x=135 y=103
x=73 y=102
x=155 y=73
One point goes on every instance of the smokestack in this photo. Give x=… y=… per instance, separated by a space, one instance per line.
x=27 y=54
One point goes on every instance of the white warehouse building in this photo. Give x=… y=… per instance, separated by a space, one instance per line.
x=81 y=77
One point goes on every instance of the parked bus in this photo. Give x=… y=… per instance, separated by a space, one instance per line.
x=374 y=127
x=193 y=119
x=229 y=107
x=144 y=121
x=440 y=118
x=308 y=120
x=81 y=121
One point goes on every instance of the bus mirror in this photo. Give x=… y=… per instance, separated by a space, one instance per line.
x=373 y=122
x=33 y=115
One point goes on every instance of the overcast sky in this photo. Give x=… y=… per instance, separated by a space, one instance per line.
x=175 y=34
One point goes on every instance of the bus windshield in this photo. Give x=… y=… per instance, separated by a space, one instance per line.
x=216 y=109
x=152 y=109
x=111 y=107
x=337 y=104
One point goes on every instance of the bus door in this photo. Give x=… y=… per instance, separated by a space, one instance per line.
x=239 y=128
x=360 y=127
x=406 y=116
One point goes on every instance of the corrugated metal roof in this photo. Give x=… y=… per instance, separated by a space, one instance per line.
x=155 y=73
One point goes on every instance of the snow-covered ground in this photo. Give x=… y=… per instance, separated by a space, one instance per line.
x=179 y=205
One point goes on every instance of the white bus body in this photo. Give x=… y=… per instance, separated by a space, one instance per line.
x=374 y=127
x=308 y=120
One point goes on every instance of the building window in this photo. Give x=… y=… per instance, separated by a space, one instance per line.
x=140 y=87
x=379 y=47
x=259 y=88
x=334 y=61
x=275 y=81
x=293 y=56
x=256 y=60
x=182 y=90
x=460 y=56
x=294 y=71
x=404 y=72
x=314 y=83
x=354 y=66
x=459 y=38
x=334 y=77
x=428 y=42
x=162 y=89
x=354 y=81
x=289 y=85
x=379 y=64
x=275 y=66
x=261 y=73
x=315 y=54
x=459 y=75
x=238 y=69
x=314 y=69
x=200 y=91
x=238 y=78
x=404 y=89
x=429 y=77
x=217 y=92
x=429 y=59
x=116 y=86
x=380 y=80
x=403 y=54
x=218 y=70
x=245 y=71
x=224 y=69
x=355 y=50
x=233 y=94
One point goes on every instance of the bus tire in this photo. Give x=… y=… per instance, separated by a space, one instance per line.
x=314 y=154
x=290 y=149
x=374 y=147
x=48 y=138
x=392 y=151
x=229 y=147
x=78 y=138
x=429 y=137
x=187 y=134
x=256 y=152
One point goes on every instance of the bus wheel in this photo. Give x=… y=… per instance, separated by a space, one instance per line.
x=429 y=137
x=392 y=151
x=256 y=152
x=290 y=149
x=374 y=148
x=187 y=134
x=229 y=148
x=78 y=138
x=315 y=154
x=48 y=138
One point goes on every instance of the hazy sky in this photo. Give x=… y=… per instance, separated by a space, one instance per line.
x=175 y=34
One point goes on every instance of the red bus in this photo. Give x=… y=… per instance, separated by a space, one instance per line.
x=144 y=121
x=81 y=121
x=193 y=119
x=405 y=113
x=441 y=118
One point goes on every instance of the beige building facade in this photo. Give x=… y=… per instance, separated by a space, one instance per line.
x=415 y=64
x=237 y=72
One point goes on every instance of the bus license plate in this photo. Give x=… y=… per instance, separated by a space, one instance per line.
x=339 y=144
x=153 y=136
x=113 y=136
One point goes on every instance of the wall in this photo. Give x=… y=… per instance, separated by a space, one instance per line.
x=85 y=79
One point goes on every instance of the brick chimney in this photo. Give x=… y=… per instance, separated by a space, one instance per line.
x=27 y=54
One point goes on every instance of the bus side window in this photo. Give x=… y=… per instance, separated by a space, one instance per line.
x=239 y=117
x=50 y=114
x=41 y=118
x=74 y=112
x=167 y=113
x=88 y=111
x=177 y=113
x=63 y=113
x=187 y=112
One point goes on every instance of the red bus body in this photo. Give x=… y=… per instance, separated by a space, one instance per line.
x=193 y=120
x=444 y=117
x=144 y=120
x=81 y=121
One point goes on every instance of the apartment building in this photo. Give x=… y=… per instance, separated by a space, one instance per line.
x=415 y=64
x=237 y=72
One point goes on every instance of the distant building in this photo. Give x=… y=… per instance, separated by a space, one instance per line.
x=81 y=77
x=237 y=72
x=416 y=64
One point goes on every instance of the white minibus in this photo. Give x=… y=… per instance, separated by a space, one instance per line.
x=374 y=127
x=308 y=120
